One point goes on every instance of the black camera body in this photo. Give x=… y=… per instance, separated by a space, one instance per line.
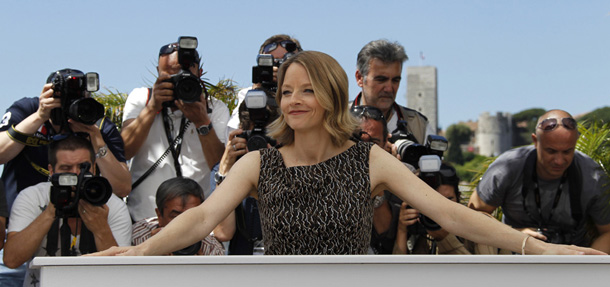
x=426 y=158
x=256 y=101
x=555 y=236
x=263 y=72
x=68 y=188
x=189 y=250
x=410 y=151
x=187 y=86
x=73 y=88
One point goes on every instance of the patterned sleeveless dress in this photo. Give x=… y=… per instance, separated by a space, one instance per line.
x=319 y=209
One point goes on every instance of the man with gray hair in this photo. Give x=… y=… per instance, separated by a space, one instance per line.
x=378 y=73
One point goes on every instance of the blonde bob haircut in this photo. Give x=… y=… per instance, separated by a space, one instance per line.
x=330 y=88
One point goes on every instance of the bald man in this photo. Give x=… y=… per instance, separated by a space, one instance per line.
x=549 y=190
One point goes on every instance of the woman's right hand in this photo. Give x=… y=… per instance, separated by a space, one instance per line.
x=119 y=251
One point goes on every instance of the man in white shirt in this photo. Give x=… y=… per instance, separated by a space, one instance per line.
x=157 y=122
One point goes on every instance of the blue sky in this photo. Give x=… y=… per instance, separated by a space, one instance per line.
x=492 y=56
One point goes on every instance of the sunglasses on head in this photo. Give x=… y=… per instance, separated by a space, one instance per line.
x=552 y=123
x=290 y=46
x=168 y=49
x=367 y=111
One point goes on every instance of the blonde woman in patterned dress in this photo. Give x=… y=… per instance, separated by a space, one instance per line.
x=315 y=192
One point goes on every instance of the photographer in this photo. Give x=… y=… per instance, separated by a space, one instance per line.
x=417 y=234
x=279 y=46
x=243 y=226
x=31 y=123
x=549 y=190
x=174 y=197
x=378 y=73
x=36 y=216
x=174 y=129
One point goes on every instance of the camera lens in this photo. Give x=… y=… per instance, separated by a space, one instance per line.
x=256 y=142
x=187 y=88
x=428 y=223
x=96 y=190
x=86 y=110
x=409 y=151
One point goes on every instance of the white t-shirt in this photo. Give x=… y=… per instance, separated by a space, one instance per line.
x=32 y=201
x=141 y=200
x=233 y=123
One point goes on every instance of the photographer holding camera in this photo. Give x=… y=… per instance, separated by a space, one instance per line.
x=271 y=54
x=75 y=207
x=389 y=209
x=549 y=190
x=378 y=73
x=175 y=196
x=418 y=234
x=243 y=226
x=174 y=129
x=64 y=107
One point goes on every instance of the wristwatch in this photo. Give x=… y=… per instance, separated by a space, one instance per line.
x=218 y=178
x=204 y=129
x=102 y=152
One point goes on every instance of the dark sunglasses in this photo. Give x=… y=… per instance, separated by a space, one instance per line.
x=287 y=44
x=168 y=49
x=367 y=111
x=552 y=123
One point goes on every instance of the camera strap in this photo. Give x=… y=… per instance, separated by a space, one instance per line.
x=86 y=245
x=175 y=145
x=530 y=178
x=162 y=157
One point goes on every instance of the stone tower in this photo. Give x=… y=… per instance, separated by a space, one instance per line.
x=494 y=133
x=422 y=92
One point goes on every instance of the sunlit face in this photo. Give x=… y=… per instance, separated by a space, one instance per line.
x=447 y=191
x=175 y=207
x=372 y=131
x=70 y=160
x=555 y=150
x=169 y=64
x=299 y=105
x=379 y=87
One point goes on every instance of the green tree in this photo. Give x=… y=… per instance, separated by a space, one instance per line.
x=524 y=123
x=457 y=134
x=114 y=103
x=598 y=115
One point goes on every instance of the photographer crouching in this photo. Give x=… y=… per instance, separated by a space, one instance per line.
x=418 y=234
x=73 y=214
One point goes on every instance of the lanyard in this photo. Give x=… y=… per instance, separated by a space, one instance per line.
x=537 y=199
x=175 y=149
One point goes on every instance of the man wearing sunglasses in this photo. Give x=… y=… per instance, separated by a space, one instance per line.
x=167 y=137
x=278 y=46
x=549 y=190
x=379 y=69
